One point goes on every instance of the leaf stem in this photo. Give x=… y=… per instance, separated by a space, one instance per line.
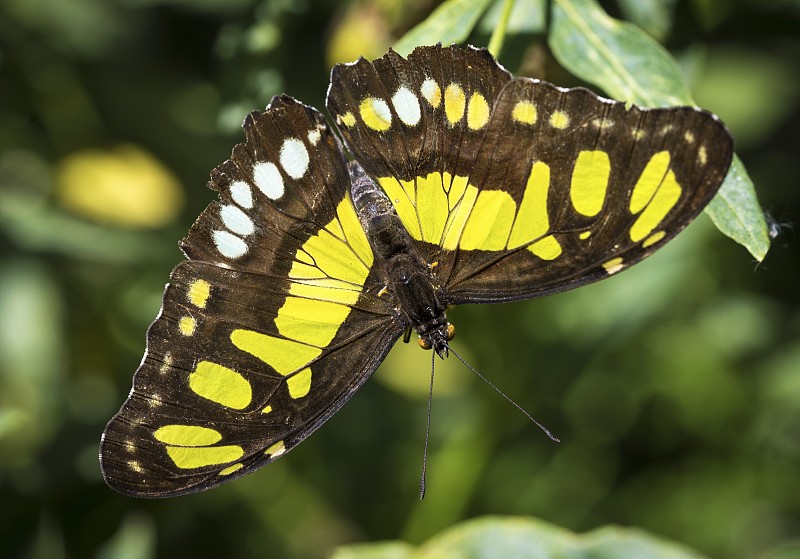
x=499 y=33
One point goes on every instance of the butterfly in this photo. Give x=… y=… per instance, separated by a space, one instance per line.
x=441 y=180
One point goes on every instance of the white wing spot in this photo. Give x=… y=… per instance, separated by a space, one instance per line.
x=278 y=452
x=276 y=449
x=702 y=155
x=229 y=245
x=313 y=137
x=294 y=158
x=236 y=220
x=376 y=114
x=241 y=194
x=431 y=92
x=613 y=266
x=406 y=105
x=166 y=363
x=268 y=180
x=603 y=123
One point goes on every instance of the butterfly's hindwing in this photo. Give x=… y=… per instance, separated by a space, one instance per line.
x=591 y=187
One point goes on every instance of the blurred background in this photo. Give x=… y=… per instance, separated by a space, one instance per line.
x=675 y=387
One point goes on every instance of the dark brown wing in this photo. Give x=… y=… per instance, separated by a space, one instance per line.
x=267 y=330
x=515 y=188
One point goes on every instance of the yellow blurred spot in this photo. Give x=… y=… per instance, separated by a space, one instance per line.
x=363 y=31
x=125 y=186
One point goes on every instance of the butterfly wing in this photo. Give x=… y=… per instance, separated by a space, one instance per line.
x=267 y=330
x=542 y=190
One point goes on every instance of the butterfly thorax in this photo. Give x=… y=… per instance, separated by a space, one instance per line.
x=407 y=277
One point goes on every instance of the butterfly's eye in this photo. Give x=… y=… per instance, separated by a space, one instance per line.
x=423 y=343
x=451 y=332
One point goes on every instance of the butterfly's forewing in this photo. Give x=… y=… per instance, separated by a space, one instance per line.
x=417 y=124
x=553 y=188
x=402 y=117
x=267 y=330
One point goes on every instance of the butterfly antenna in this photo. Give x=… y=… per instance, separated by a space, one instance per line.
x=544 y=429
x=427 y=431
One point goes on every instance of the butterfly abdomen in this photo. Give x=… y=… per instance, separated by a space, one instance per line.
x=406 y=275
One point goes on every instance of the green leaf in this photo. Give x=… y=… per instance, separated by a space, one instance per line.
x=613 y=542
x=614 y=55
x=524 y=538
x=499 y=33
x=630 y=66
x=654 y=16
x=451 y=22
x=736 y=212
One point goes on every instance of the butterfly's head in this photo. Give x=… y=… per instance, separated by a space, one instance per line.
x=438 y=339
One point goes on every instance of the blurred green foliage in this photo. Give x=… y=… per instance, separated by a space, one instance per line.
x=674 y=387
x=522 y=538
